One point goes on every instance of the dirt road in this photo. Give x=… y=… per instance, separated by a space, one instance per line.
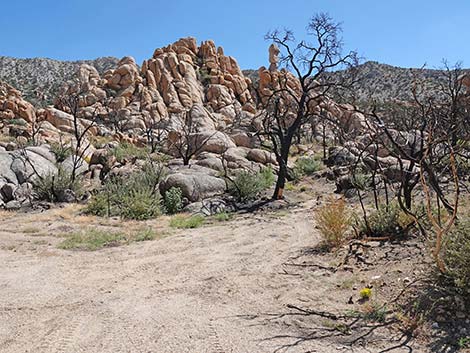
x=215 y=289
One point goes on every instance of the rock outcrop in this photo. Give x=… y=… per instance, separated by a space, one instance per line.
x=185 y=91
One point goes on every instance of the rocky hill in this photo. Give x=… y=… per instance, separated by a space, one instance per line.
x=40 y=79
x=382 y=82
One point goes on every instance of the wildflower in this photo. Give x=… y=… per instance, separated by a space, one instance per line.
x=365 y=293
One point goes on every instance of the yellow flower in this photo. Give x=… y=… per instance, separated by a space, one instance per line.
x=365 y=293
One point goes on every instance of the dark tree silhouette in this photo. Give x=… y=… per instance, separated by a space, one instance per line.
x=292 y=104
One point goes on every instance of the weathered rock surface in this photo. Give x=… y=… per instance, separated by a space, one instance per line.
x=196 y=183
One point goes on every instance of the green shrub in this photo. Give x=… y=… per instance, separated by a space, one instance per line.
x=204 y=76
x=173 y=200
x=247 y=186
x=18 y=122
x=125 y=151
x=457 y=255
x=98 y=205
x=223 y=217
x=185 y=222
x=360 y=181
x=387 y=221
x=145 y=235
x=132 y=197
x=53 y=187
x=91 y=239
x=61 y=151
x=140 y=204
x=267 y=177
x=306 y=166
x=94 y=239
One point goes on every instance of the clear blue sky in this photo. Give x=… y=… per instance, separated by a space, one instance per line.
x=403 y=33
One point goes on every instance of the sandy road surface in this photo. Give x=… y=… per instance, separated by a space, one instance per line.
x=203 y=290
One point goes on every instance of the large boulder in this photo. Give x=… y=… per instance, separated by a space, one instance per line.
x=6 y=174
x=28 y=165
x=214 y=141
x=340 y=156
x=81 y=166
x=59 y=119
x=195 y=183
x=261 y=156
x=43 y=151
x=201 y=119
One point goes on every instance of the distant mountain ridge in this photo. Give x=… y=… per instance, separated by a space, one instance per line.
x=383 y=82
x=39 y=79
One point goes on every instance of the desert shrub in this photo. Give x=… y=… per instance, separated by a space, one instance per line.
x=204 y=76
x=132 y=197
x=98 y=205
x=185 y=222
x=101 y=141
x=139 y=204
x=61 y=151
x=18 y=122
x=126 y=151
x=374 y=312
x=91 y=239
x=267 y=177
x=333 y=220
x=223 y=217
x=371 y=312
x=457 y=255
x=173 y=200
x=145 y=235
x=247 y=186
x=306 y=166
x=94 y=239
x=360 y=181
x=365 y=293
x=55 y=187
x=386 y=221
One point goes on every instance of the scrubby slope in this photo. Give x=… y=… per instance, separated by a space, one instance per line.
x=40 y=79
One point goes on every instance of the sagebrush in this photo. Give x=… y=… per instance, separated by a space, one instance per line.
x=132 y=197
x=247 y=185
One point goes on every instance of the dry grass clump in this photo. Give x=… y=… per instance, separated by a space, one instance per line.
x=333 y=221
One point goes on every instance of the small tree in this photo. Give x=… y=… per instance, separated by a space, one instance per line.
x=187 y=140
x=69 y=102
x=300 y=90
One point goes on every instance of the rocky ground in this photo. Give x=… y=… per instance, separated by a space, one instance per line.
x=234 y=286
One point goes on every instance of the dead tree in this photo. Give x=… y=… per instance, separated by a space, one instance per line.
x=291 y=104
x=69 y=102
x=186 y=140
x=402 y=129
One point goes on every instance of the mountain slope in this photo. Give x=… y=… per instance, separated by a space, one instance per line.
x=39 y=79
x=382 y=82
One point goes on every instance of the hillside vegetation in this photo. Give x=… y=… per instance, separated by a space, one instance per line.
x=40 y=79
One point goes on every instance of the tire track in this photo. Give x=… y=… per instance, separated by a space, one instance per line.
x=63 y=337
x=214 y=339
x=123 y=333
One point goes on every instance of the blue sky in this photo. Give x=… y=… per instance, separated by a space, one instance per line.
x=403 y=33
